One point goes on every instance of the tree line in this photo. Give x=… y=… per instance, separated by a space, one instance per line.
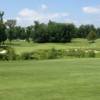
x=43 y=33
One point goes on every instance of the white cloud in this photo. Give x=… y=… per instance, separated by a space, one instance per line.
x=91 y=10
x=28 y=16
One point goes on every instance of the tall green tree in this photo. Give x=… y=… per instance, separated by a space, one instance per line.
x=40 y=34
x=84 y=30
x=11 y=29
x=29 y=32
x=3 y=35
x=53 y=32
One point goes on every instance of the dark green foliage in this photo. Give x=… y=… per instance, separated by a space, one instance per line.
x=17 y=33
x=43 y=33
x=98 y=32
x=40 y=34
x=3 y=35
x=91 y=53
x=84 y=30
x=59 y=32
x=29 y=32
x=91 y=36
x=20 y=33
x=11 y=34
x=53 y=32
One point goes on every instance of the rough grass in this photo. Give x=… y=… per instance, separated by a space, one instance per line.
x=22 y=46
x=72 y=79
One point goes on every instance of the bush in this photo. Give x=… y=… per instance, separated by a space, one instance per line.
x=36 y=55
x=9 y=53
x=91 y=36
x=76 y=53
x=53 y=54
x=91 y=53
x=45 y=54
x=42 y=54
x=26 y=56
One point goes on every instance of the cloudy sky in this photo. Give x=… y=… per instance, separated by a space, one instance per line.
x=74 y=11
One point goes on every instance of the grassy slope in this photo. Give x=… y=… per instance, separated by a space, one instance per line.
x=73 y=79
x=23 y=46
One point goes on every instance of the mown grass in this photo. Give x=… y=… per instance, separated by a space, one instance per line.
x=71 y=79
x=22 y=46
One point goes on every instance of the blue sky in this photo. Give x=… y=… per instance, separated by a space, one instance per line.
x=74 y=11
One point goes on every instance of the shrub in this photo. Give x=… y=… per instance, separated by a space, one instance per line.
x=9 y=54
x=26 y=56
x=91 y=36
x=42 y=54
x=53 y=54
x=91 y=53
x=45 y=54
x=76 y=53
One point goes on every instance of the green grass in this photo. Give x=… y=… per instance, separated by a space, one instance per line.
x=72 y=79
x=22 y=46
